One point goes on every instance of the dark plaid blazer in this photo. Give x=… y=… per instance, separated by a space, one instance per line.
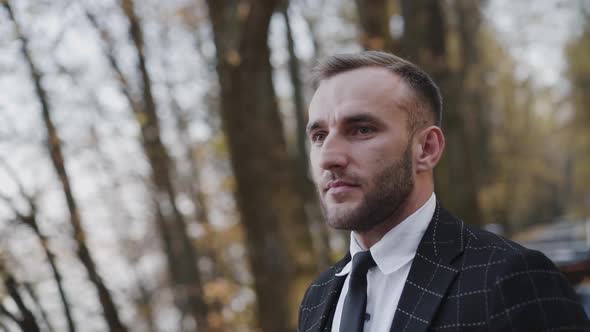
x=464 y=279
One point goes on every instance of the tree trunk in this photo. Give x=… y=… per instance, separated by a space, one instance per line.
x=267 y=196
x=55 y=151
x=473 y=106
x=119 y=213
x=425 y=43
x=374 y=16
x=305 y=185
x=170 y=240
x=188 y=279
x=198 y=198
x=193 y=183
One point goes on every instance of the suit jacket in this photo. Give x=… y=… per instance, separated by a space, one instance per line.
x=464 y=279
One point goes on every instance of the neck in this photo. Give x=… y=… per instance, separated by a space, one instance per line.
x=416 y=200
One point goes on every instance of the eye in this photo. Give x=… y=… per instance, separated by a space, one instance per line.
x=318 y=137
x=363 y=130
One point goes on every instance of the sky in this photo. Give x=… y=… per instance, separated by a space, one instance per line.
x=536 y=33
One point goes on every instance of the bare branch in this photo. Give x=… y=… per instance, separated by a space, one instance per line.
x=8 y=314
x=111 y=314
x=109 y=51
x=31 y=291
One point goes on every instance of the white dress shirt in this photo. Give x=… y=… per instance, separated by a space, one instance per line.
x=393 y=254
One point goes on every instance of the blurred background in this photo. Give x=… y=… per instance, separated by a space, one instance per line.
x=153 y=164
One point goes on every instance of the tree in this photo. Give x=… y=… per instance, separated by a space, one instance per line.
x=29 y=218
x=578 y=73
x=425 y=42
x=304 y=183
x=27 y=322
x=180 y=251
x=35 y=298
x=57 y=157
x=267 y=197
x=374 y=17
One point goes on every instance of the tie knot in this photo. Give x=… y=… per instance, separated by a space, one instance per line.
x=362 y=262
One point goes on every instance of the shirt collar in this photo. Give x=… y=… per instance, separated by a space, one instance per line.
x=399 y=245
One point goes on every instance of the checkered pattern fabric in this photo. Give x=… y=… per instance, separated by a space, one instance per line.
x=465 y=279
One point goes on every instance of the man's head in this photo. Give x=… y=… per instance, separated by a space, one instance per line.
x=424 y=104
x=374 y=126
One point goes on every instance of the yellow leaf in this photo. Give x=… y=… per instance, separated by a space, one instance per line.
x=141 y=118
x=243 y=10
x=233 y=57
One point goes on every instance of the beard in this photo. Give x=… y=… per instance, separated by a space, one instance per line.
x=388 y=194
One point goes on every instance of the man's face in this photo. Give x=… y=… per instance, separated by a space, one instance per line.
x=361 y=152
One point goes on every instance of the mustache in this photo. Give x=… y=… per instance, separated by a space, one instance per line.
x=331 y=180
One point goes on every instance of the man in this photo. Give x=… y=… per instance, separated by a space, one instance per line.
x=374 y=127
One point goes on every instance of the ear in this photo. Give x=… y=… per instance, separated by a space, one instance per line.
x=430 y=144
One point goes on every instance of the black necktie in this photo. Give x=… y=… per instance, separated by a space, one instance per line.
x=353 y=313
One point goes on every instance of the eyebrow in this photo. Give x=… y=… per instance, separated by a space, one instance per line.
x=312 y=126
x=362 y=118
x=352 y=119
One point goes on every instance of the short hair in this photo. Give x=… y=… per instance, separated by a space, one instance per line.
x=426 y=94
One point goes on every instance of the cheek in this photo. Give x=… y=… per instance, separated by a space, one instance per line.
x=373 y=156
x=314 y=166
x=384 y=150
x=374 y=170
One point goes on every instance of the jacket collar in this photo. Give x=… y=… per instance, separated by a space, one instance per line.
x=398 y=246
x=432 y=272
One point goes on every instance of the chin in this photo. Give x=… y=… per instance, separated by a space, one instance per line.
x=355 y=225
x=340 y=225
x=343 y=218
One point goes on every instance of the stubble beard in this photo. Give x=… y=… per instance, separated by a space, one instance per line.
x=390 y=191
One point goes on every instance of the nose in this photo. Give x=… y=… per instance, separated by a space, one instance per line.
x=333 y=154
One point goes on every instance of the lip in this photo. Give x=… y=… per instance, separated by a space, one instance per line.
x=339 y=186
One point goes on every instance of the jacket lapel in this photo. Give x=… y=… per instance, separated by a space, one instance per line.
x=327 y=314
x=431 y=273
x=331 y=293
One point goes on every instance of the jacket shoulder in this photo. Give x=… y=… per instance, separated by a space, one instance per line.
x=479 y=239
x=502 y=259
x=526 y=291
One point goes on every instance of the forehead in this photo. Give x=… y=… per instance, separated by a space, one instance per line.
x=364 y=90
